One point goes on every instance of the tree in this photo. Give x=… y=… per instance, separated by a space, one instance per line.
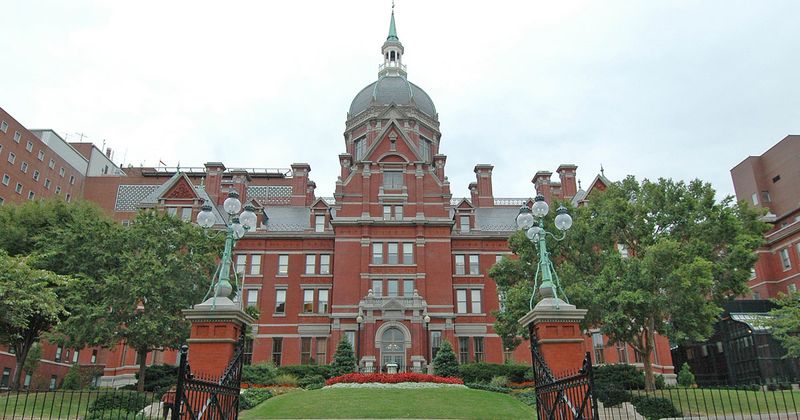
x=344 y=360
x=685 y=376
x=161 y=266
x=784 y=322
x=445 y=363
x=29 y=305
x=648 y=258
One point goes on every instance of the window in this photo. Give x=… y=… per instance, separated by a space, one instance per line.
x=754 y=197
x=463 y=350
x=29 y=146
x=58 y=354
x=11 y=157
x=460 y=264
x=398 y=212
x=47 y=183
x=172 y=211
x=308 y=301
x=475 y=294
x=425 y=149
x=31 y=195
x=4 y=382
x=351 y=338
x=322 y=301
x=24 y=167
x=35 y=175
x=58 y=189
x=361 y=148
x=53 y=380
x=93 y=360
x=392 y=256
x=473 y=265
x=283 y=265
x=241 y=263
x=18 y=188
x=322 y=350
x=27 y=382
x=622 y=352
x=252 y=297
x=186 y=212
x=247 y=351
x=792 y=288
x=72 y=182
x=461 y=301
x=6 y=179
x=319 y=223
x=597 y=344
x=40 y=155
x=477 y=342
x=393 y=180
x=68 y=197
x=311 y=263
x=436 y=343
x=392 y=288
x=464 y=221
x=387 y=212
x=75 y=357
x=765 y=197
x=2 y=200
x=408 y=253
x=51 y=164
x=61 y=172
x=377 y=253
x=255 y=264
x=325 y=264
x=4 y=127
x=785 y=261
x=501 y=300
x=17 y=136
x=305 y=350
x=280 y=301
x=277 y=348
x=408 y=288
x=756 y=295
x=377 y=288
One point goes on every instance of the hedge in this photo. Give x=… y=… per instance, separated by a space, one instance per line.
x=253 y=397
x=484 y=372
x=654 y=408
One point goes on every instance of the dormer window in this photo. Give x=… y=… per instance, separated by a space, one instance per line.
x=319 y=223
x=464 y=222
x=393 y=180
x=360 y=148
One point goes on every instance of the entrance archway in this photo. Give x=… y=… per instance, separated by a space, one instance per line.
x=393 y=347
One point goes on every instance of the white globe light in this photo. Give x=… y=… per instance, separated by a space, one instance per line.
x=533 y=233
x=563 y=220
x=232 y=205
x=248 y=219
x=524 y=219
x=238 y=230
x=540 y=208
x=206 y=219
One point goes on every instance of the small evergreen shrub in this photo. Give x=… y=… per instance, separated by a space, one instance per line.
x=484 y=372
x=527 y=398
x=72 y=380
x=445 y=363
x=308 y=381
x=260 y=374
x=654 y=408
x=286 y=379
x=159 y=378
x=499 y=381
x=685 y=376
x=252 y=397
x=661 y=383
x=611 y=395
x=128 y=401
x=623 y=376
x=344 y=360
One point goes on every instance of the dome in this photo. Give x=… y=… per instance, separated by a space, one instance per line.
x=392 y=90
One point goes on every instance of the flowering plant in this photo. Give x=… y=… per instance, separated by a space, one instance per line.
x=396 y=378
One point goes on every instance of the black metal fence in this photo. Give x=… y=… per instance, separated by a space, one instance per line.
x=753 y=402
x=105 y=404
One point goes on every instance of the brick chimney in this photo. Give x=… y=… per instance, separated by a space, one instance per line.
x=310 y=196
x=214 y=171
x=542 y=183
x=483 y=174
x=345 y=161
x=566 y=172
x=300 y=184
x=240 y=179
x=473 y=193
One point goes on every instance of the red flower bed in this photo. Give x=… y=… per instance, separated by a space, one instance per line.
x=363 y=378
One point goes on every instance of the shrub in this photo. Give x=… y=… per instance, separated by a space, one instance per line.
x=653 y=408
x=114 y=415
x=119 y=400
x=261 y=374
x=491 y=388
x=159 y=378
x=253 y=397
x=661 y=383
x=484 y=372
x=308 y=381
x=286 y=379
x=302 y=371
x=528 y=398
x=611 y=395
x=685 y=376
x=623 y=376
x=72 y=380
x=445 y=363
x=499 y=381
x=344 y=360
x=363 y=378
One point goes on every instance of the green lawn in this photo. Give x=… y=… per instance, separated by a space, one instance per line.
x=725 y=401
x=46 y=405
x=431 y=403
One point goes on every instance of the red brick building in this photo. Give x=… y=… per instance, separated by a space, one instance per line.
x=392 y=262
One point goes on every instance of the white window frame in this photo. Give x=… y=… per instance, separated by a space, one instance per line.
x=474 y=265
x=6 y=179
x=408 y=288
x=464 y=224
x=377 y=253
x=377 y=288
x=36 y=175
x=18 y=188
x=186 y=212
x=476 y=306
x=325 y=263
x=461 y=301
x=61 y=172
x=255 y=264
x=31 y=195
x=398 y=212
x=392 y=288
x=252 y=297
x=241 y=264
x=786 y=261
x=387 y=212
x=392 y=253
x=29 y=146
x=24 y=167
x=323 y=299
x=311 y=264
x=360 y=148
x=51 y=164
x=280 y=301
x=17 y=137
x=12 y=157
x=460 y=264
x=40 y=156
x=393 y=180
x=283 y=265
x=308 y=301
x=47 y=183
x=319 y=223
x=408 y=253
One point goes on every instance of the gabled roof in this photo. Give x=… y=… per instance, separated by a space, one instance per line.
x=154 y=197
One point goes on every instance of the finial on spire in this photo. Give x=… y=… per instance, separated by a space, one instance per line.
x=392 y=30
x=602 y=171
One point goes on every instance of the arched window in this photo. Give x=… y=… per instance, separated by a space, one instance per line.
x=392 y=56
x=393 y=347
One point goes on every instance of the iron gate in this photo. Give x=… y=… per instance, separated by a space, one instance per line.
x=570 y=397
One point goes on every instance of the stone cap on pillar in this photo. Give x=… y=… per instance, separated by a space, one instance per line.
x=221 y=309
x=553 y=310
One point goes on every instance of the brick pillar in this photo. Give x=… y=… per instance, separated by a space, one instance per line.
x=568 y=185
x=542 y=182
x=214 y=172
x=483 y=174
x=214 y=334
x=557 y=326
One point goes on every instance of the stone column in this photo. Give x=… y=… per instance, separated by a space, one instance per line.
x=557 y=327
x=216 y=328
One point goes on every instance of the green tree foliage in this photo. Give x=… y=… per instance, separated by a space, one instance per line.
x=445 y=363
x=685 y=376
x=686 y=253
x=160 y=266
x=344 y=360
x=785 y=322
x=33 y=358
x=29 y=305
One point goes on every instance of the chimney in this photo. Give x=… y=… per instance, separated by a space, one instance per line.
x=310 y=196
x=214 y=171
x=438 y=166
x=566 y=172
x=542 y=183
x=473 y=193
x=345 y=161
x=108 y=152
x=240 y=180
x=299 y=183
x=483 y=173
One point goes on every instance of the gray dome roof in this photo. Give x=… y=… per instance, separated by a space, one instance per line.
x=392 y=89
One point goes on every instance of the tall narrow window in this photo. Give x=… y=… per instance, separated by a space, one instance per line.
x=29 y=146
x=501 y=300
x=75 y=357
x=322 y=350
x=377 y=253
x=597 y=344
x=241 y=263
x=277 y=349
x=35 y=175
x=12 y=158
x=477 y=342
x=387 y=212
x=53 y=380
x=308 y=301
x=252 y=297
x=322 y=301
x=350 y=336
x=377 y=288
x=247 y=351
x=408 y=288
x=186 y=212
x=436 y=342
x=58 y=354
x=361 y=148
x=398 y=212
x=40 y=155
x=474 y=268
x=391 y=255
x=283 y=265
x=305 y=350
x=325 y=264
x=319 y=223
x=464 y=221
x=27 y=382
x=24 y=167
x=460 y=269
x=51 y=164
x=280 y=301
x=311 y=263
x=475 y=294
x=93 y=360
x=461 y=301
x=255 y=264
x=425 y=149
x=393 y=180
x=622 y=352
x=785 y=261
x=463 y=350
x=408 y=253
x=391 y=288
x=6 y=378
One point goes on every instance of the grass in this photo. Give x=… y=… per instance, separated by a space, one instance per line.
x=728 y=401
x=431 y=403
x=54 y=404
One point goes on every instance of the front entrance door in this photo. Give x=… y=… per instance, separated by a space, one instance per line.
x=393 y=348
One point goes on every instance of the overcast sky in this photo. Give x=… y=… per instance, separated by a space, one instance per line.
x=654 y=89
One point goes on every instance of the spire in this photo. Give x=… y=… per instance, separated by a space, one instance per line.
x=392 y=51
x=392 y=30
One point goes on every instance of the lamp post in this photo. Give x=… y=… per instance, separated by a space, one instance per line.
x=532 y=221
x=236 y=226
x=427 y=321
x=359 y=321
